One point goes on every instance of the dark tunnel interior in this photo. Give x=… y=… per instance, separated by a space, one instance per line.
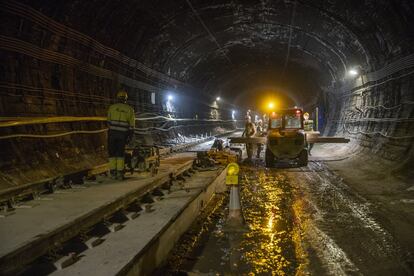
x=68 y=59
x=204 y=64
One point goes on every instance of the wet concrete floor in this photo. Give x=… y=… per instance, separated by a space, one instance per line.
x=298 y=221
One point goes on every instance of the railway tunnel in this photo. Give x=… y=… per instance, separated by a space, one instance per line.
x=192 y=70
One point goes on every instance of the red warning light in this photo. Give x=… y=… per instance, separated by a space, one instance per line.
x=298 y=111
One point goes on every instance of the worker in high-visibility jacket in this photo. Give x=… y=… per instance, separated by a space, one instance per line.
x=308 y=126
x=121 y=123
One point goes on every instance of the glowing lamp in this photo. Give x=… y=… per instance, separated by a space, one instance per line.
x=353 y=72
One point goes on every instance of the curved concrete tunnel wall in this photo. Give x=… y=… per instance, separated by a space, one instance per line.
x=70 y=58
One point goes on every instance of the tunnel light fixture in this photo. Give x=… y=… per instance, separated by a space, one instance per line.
x=233 y=114
x=170 y=97
x=218 y=99
x=271 y=105
x=353 y=72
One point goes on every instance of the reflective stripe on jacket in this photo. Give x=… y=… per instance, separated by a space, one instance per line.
x=308 y=125
x=121 y=117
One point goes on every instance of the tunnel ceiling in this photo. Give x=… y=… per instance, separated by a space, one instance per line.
x=243 y=45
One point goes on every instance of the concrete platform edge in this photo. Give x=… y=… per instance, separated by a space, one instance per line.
x=156 y=252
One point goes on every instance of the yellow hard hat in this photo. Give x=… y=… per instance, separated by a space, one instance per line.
x=306 y=114
x=122 y=94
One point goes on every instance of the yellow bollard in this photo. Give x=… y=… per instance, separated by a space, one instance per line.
x=235 y=220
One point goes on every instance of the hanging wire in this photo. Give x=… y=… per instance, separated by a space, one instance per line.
x=292 y=21
x=208 y=30
x=21 y=135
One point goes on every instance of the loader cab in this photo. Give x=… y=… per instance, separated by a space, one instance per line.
x=286 y=139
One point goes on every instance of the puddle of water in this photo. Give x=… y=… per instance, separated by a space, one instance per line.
x=269 y=247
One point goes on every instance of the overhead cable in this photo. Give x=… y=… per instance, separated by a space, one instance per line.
x=20 y=121
x=207 y=30
x=29 y=13
x=376 y=133
x=53 y=135
x=292 y=21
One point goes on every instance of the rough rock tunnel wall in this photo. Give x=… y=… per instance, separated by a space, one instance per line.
x=378 y=115
x=69 y=58
x=28 y=160
x=49 y=69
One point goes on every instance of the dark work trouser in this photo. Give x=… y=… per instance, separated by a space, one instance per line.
x=249 y=150
x=259 y=150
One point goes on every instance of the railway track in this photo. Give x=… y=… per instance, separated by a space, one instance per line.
x=305 y=220
x=52 y=230
x=11 y=197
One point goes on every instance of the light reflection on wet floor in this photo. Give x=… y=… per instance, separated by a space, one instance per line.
x=268 y=246
x=301 y=221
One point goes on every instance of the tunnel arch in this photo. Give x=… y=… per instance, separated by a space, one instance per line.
x=224 y=28
x=69 y=58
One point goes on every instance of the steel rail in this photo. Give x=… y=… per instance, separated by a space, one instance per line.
x=9 y=194
x=15 y=260
x=18 y=191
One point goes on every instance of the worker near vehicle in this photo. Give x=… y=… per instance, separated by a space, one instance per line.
x=260 y=133
x=248 y=114
x=121 y=124
x=265 y=122
x=308 y=126
x=249 y=131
